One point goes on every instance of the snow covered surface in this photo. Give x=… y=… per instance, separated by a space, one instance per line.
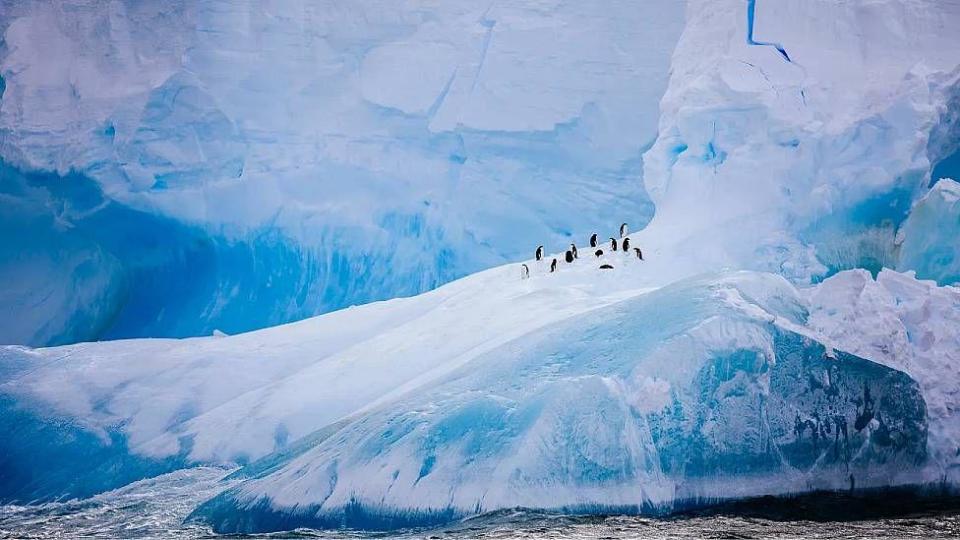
x=307 y=157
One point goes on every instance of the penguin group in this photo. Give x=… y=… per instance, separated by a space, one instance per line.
x=571 y=254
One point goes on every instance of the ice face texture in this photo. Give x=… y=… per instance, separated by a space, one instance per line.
x=804 y=163
x=929 y=238
x=286 y=160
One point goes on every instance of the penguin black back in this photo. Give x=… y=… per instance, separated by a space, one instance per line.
x=626 y=245
x=539 y=253
x=593 y=240
x=613 y=244
x=553 y=266
x=568 y=256
x=639 y=253
x=606 y=266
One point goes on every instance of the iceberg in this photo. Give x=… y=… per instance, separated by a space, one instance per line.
x=791 y=327
x=700 y=391
x=587 y=389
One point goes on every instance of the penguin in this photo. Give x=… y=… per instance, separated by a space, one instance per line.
x=593 y=240
x=613 y=243
x=568 y=256
x=639 y=253
x=623 y=230
x=626 y=245
x=598 y=253
x=573 y=248
x=553 y=266
x=524 y=271
x=539 y=252
x=606 y=266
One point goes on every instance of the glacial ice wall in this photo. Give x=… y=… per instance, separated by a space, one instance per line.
x=305 y=156
x=298 y=157
x=796 y=136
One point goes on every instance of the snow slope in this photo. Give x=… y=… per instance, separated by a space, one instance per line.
x=306 y=156
x=226 y=399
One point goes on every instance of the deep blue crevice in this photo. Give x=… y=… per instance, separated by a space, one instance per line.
x=948 y=167
x=860 y=236
x=751 y=11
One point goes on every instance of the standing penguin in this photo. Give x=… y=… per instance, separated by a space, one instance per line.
x=623 y=230
x=539 y=252
x=598 y=253
x=626 y=245
x=593 y=240
x=613 y=243
x=568 y=256
x=639 y=253
x=573 y=248
x=524 y=271
x=553 y=266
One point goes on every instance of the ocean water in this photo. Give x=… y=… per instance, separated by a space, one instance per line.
x=156 y=508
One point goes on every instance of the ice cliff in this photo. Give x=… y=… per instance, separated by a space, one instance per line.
x=808 y=162
x=297 y=157
x=301 y=157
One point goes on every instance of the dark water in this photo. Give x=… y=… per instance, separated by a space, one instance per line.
x=156 y=508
